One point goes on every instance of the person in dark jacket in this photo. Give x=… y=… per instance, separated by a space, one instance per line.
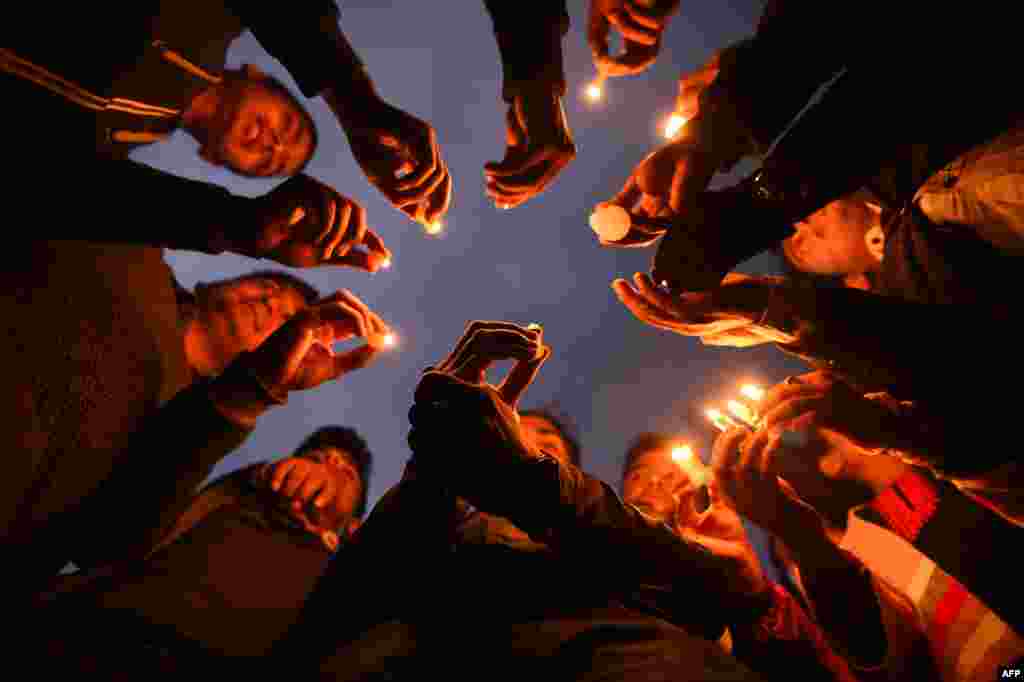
x=666 y=482
x=589 y=588
x=229 y=577
x=159 y=54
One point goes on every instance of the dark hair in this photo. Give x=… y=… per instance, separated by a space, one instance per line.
x=310 y=294
x=565 y=427
x=343 y=438
x=280 y=88
x=645 y=442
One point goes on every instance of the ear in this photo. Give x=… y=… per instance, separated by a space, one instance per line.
x=253 y=72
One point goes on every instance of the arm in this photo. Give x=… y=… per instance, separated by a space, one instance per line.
x=529 y=39
x=167 y=459
x=150 y=208
x=786 y=643
x=934 y=517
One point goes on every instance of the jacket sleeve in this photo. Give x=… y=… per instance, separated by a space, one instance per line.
x=167 y=459
x=786 y=644
x=529 y=36
x=300 y=36
x=131 y=203
x=964 y=539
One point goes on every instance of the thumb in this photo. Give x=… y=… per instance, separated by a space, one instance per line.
x=354 y=359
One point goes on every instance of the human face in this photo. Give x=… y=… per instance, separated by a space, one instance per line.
x=339 y=465
x=657 y=484
x=832 y=240
x=257 y=131
x=238 y=315
x=545 y=436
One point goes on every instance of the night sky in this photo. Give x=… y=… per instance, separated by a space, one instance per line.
x=538 y=263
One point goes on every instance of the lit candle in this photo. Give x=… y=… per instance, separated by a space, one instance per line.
x=682 y=454
x=673 y=125
x=753 y=392
x=385 y=264
x=382 y=341
x=743 y=413
x=434 y=228
x=721 y=421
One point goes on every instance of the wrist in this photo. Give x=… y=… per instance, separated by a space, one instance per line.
x=241 y=396
x=351 y=95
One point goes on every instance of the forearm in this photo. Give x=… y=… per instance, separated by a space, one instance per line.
x=529 y=39
x=305 y=37
x=843 y=596
x=172 y=453
x=786 y=643
x=128 y=202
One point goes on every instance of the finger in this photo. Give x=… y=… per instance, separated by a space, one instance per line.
x=521 y=376
x=339 y=229
x=296 y=355
x=631 y=29
x=311 y=487
x=281 y=470
x=473 y=327
x=691 y=177
x=423 y=189
x=425 y=151
x=641 y=308
x=725 y=451
x=514 y=167
x=440 y=201
x=357 y=358
x=327 y=494
x=635 y=60
x=655 y=294
x=360 y=260
x=649 y=18
x=784 y=392
x=294 y=480
x=792 y=409
x=489 y=346
x=355 y=231
x=598 y=30
x=629 y=195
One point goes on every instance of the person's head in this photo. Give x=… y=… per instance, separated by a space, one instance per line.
x=252 y=124
x=653 y=480
x=345 y=456
x=843 y=239
x=551 y=432
x=236 y=315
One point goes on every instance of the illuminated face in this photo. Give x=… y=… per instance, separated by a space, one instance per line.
x=240 y=314
x=657 y=484
x=545 y=436
x=258 y=131
x=832 y=241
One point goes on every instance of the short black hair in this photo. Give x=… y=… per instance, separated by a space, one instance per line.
x=310 y=294
x=279 y=87
x=645 y=442
x=343 y=438
x=565 y=427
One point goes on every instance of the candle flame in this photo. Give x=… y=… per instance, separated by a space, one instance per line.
x=434 y=228
x=753 y=392
x=388 y=340
x=682 y=454
x=742 y=412
x=385 y=264
x=673 y=125
x=721 y=422
x=595 y=91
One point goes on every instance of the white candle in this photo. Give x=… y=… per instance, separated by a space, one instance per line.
x=610 y=222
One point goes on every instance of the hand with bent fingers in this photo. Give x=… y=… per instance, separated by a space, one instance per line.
x=306 y=484
x=721 y=530
x=460 y=423
x=299 y=355
x=718 y=317
x=304 y=223
x=747 y=476
x=400 y=156
x=539 y=147
x=641 y=25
